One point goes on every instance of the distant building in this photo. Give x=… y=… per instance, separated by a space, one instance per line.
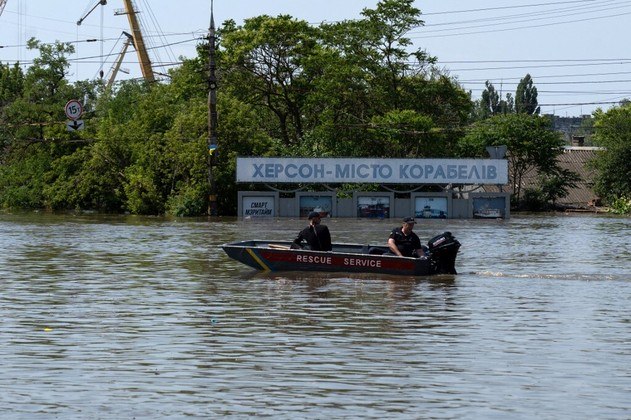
x=576 y=158
x=573 y=126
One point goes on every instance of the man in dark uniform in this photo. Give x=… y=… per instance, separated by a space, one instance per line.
x=316 y=235
x=404 y=242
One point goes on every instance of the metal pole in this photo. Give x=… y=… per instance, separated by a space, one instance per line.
x=212 y=117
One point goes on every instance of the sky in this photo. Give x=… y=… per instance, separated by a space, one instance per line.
x=576 y=51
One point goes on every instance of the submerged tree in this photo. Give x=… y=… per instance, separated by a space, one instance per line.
x=11 y=88
x=352 y=88
x=35 y=126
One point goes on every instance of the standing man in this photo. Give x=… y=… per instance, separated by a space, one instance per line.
x=404 y=242
x=316 y=235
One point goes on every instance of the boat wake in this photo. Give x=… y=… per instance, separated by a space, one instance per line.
x=565 y=276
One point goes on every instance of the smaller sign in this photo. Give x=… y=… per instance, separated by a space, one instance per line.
x=258 y=206
x=75 y=125
x=73 y=109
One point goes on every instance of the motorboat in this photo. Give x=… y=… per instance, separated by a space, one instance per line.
x=440 y=257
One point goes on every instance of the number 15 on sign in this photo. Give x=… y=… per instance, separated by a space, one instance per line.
x=73 y=109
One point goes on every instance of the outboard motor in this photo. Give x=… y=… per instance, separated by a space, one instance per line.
x=443 y=249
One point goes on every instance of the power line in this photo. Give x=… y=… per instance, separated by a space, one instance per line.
x=583 y=103
x=523 y=17
x=519 y=27
x=543 y=66
x=539 y=77
x=488 y=9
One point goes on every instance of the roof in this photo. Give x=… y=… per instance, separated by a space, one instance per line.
x=575 y=159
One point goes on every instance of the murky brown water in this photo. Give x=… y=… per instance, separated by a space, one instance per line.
x=121 y=317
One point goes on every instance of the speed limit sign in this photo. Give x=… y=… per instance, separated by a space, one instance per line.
x=74 y=109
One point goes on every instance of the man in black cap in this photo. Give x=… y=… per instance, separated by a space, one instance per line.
x=404 y=242
x=316 y=235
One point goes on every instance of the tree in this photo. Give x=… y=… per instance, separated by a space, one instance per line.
x=11 y=83
x=531 y=143
x=352 y=88
x=324 y=90
x=11 y=88
x=35 y=125
x=524 y=102
x=491 y=102
x=402 y=134
x=46 y=78
x=267 y=65
x=613 y=132
x=550 y=188
x=556 y=184
x=526 y=97
x=386 y=27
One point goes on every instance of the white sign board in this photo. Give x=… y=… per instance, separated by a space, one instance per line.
x=368 y=170
x=75 y=125
x=254 y=206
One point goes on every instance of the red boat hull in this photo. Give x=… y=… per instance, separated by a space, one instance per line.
x=354 y=258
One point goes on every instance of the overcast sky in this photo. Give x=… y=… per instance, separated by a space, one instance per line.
x=576 y=51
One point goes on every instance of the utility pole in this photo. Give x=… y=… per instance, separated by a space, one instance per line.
x=212 y=116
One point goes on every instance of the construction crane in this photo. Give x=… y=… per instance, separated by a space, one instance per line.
x=119 y=60
x=2 y=4
x=136 y=40
x=80 y=21
x=98 y=3
x=139 y=43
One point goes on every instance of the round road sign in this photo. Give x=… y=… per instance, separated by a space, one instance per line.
x=74 y=109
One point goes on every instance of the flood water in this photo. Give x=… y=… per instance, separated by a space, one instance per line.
x=130 y=317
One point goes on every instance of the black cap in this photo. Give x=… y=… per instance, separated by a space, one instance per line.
x=408 y=220
x=313 y=214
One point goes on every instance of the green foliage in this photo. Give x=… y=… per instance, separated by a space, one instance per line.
x=190 y=200
x=621 y=205
x=556 y=184
x=531 y=143
x=533 y=200
x=526 y=97
x=22 y=183
x=402 y=134
x=269 y=58
x=142 y=194
x=11 y=83
x=46 y=78
x=552 y=186
x=287 y=88
x=385 y=28
x=613 y=131
x=492 y=104
x=524 y=102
